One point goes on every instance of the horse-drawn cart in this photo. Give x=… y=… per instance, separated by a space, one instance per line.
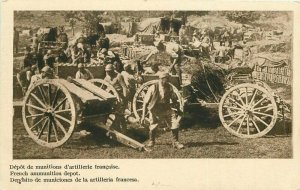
x=248 y=108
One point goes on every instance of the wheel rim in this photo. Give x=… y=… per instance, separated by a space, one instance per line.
x=139 y=98
x=248 y=111
x=49 y=113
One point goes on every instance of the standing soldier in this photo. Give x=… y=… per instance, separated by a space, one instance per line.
x=117 y=81
x=157 y=100
x=16 y=40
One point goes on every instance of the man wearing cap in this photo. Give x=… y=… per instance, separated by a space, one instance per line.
x=46 y=73
x=24 y=77
x=157 y=101
x=83 y=73
x=117 y=81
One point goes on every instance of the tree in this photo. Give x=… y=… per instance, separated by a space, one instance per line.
x=244 y=17
x=72 y=17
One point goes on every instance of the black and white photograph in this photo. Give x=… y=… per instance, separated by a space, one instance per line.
x=152 y=84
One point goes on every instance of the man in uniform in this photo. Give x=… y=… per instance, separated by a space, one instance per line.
x=157 y=100
x=174 y=51
x=46 y=73
x=83 y=73
x=24 y=77
x=117 y=81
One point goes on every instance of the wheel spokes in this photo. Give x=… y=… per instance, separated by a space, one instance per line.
x=42 y=93
x=43 y=128
x=57 y=106
x=248 y=127
x=55 y=97
x=61 y=111
x=35 y=107
x=235 y=120
x=263 y=107
x=233 y=101
x=233 y=113
x=49 y=131
x=241 y=123
x=38 y=100
x=55 y=131
x=35 y=115
x=37 y=123
x=254 y=123
x=60 y=126
x=232 y=108
x=259 y=101
x=64 y=119
x=253 y=96
x=264 y=114
x=261 y=121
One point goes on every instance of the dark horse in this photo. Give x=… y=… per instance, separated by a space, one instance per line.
x=54 y=34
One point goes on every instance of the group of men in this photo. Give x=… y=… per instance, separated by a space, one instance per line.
x=40 y=64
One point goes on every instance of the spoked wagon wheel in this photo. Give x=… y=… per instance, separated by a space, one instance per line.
x=248 y=110
x=138 y=100
x=110 y=89
x=49 y=113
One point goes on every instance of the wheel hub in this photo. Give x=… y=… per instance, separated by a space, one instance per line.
x=49 y=112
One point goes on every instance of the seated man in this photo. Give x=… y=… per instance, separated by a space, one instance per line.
x=83 y=73
x=46 y=73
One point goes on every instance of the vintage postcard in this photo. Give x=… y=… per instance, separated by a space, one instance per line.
x=149 y=94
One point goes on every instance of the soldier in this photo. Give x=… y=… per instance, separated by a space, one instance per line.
x=174 y=51
x=130 y=81
x=24 y=77
x=157 y=100
x=83 y=73
x=117 y=81
x=46 y=73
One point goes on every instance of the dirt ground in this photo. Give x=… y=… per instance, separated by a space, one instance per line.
x=203 y=138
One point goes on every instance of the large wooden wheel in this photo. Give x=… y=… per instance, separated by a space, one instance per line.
x=248 y=110
x=138 y=100
x=49 y=113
